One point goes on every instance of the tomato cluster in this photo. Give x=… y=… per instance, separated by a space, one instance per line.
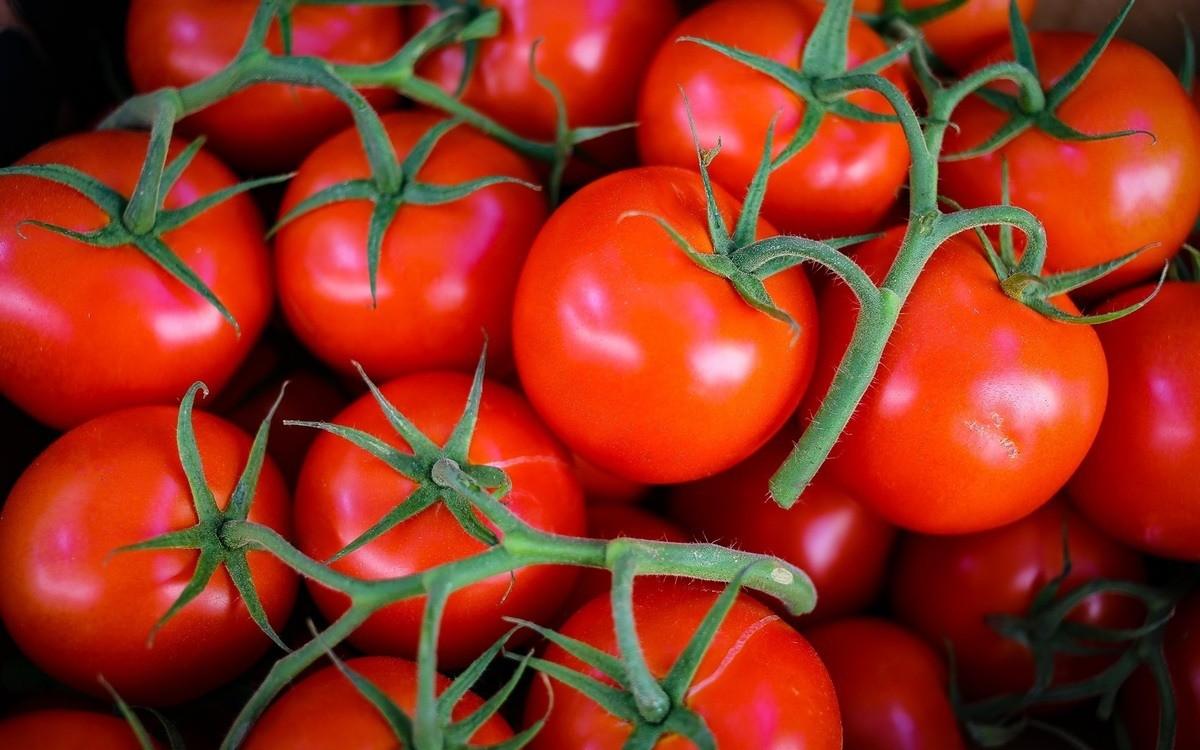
x=499 y=424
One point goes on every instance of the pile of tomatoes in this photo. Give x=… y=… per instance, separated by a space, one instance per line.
x=1002 y=539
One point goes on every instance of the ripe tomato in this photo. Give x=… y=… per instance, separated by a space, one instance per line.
x=612 y=522
x=1000 y=402
x=446 y=273
x=891 y=686
x=324 y=711
x=945 y=587
x=63 y=729
x=647 y=365
x=265 y=127
x=842 y=545
x=79 y=610
x=86 y=330
x=1138 y=483
x=760 y=684
x=343 y=491
x=1139 y=697
x=601 y=487
x=843 y=182
x=595 y=52
x=1138 y=190
x=960 y=35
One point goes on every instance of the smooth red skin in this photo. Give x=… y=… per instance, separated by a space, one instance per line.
x=945 y=587
x=1137 y=190
x=343 y=491
x=447 y=273
x=611 y=522
x=996 y=401
x=958 y=36
x=1138 y=482
x=325 y=711
x=646 y=365
x=63 y=729
x=843 y=182
x=79 y=609
x=891 y=686
x=265 y=127
x=603 y=488
x=1139 y=697
x=760 y=685
x=84 y=330
x=595 y=52
x=842 y=545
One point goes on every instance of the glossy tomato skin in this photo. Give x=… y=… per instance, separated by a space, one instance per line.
x=603 y=488
x=1138 y=482
x=325 y=711
x=84 y=330
x=343 y=491
x=1139 y=697
x=981 y=408
x=595 y=52
x=612 y=522
x=79 y=609
x=1139 y=190
x=960 y=35
x=265 y=127
x=646 y=365
x=447 y=272
x=760 y=684
x=64 y=729
x=842 y=183
x=891 y=686
x=841 y=544
x=945 y=587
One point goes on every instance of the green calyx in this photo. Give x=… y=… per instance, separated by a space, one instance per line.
x=1024 y=114
x=441 y=472
x=403 y=189
x=141 y=221
x=894 y=13
x=144 y=740
x=737 y=256
x=818 y=79
x=1186 y=265
x=208 y=535
x=451 y=734
x=654 y=707
x=1047 y=631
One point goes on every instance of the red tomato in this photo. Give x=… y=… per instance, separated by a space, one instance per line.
x=843 y=182
x=958 y=36
x=1139 y=697
x=891 y=686
x=760 y=684
x=343 y=491
x=1137 y=190
x=446 y=273
x=612 y=522
x=265 y=127
x=1138 y=483
x=647 y=365
x=324 y=711
x=999 y=402
x=843 y=546
x=945 y=587
x=63 y=729
x=595 y=52
x=79 y=610
x=601 y=487
x=87 y=330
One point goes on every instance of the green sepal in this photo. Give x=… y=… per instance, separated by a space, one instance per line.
x=607 y=664
x=1187 y=66
x=683 y=671
x=144 y=740
x=613 y=700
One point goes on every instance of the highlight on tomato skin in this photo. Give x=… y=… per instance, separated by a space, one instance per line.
x=843 y=545
x=944 y=588
x=759 y=685
x=265 y=127
x=78 y=608
x=645 y=364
